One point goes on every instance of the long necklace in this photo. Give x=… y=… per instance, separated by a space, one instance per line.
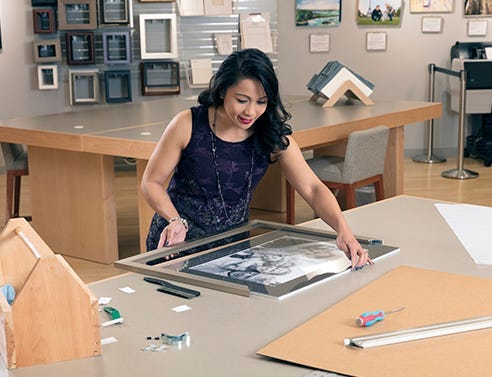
x=219 y=186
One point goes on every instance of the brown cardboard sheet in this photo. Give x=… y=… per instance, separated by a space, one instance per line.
x=429 y=297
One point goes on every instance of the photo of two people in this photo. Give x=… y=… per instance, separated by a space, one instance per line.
x=377 y=12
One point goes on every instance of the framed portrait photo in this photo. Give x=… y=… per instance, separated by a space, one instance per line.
x=318 y=13
x=386 y=13
x=477 y=8
x=431 y=6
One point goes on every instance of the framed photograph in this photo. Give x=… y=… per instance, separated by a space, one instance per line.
x=432 y=24
x=318 y=13
x=319 y=42
x=431 y=6
x=118 y=86
x=264 y=258
x=114 y=12
x=46 y=50
x=160 y=78
x=47 y=76
x=376 y=41
x=77 y=14
x=158 y=36
x=43 y=20
x=116 y=47
x=477 y=28
x=477 y=8
x=80 y=48
x=387 y=13
x=83 y=86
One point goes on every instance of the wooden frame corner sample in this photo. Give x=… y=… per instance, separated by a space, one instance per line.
x=160 y=78
x=80 y=48
x=158 y=36
x=116 y=47
x=114 y=12
x=84 y=86
x=47 y=76
x=77 y=14
x=43 y=20
x=118 y=86
x=47 y=50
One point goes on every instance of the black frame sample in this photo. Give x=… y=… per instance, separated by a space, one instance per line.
x=80 y=48
x=160 y=77
x=118 y=86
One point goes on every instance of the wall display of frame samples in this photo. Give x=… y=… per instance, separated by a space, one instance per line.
x=80 y=48
x=47 y=51
x=47 y=76
x=116 y=47
x=158 y=36
x=114 y=12
x=160 y=78
x=43 y=20
x=83 y=86
x=77 y=14
x=118 y=86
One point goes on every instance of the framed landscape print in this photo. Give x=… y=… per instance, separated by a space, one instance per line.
x=387 y=13
x=431 y=6
x=318 y=13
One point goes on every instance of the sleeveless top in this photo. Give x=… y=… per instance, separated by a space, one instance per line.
x=194 y=187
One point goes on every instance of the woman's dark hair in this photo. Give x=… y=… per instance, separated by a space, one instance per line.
x=271 y=128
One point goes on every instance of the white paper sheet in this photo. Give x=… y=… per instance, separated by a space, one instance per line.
x=472 y=225
x=255 y=31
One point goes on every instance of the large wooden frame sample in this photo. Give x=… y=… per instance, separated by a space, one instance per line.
x=77 y=14
x=80 y=48
x=114 y=12
x=262 y=257
x=43 y=20
x=158 y=36
x=46 y=50
x=160 y=77
x=47 y=76
x=84 y=86
x=116 y=47
x=118 y=86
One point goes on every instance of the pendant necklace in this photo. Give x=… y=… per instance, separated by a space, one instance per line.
x=216 y=168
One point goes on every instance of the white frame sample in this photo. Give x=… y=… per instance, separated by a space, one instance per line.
x=476 y=28
x=83 y=74
x=376 y=41
x=167 y=36
x=43 y=72
x=432 y=24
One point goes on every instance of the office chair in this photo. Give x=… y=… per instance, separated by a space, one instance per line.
x=16 y=166
x=362 y=165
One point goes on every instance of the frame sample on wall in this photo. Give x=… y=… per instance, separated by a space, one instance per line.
x=80 y=47
x=388 y=13
x=116 y=47
x=47 y=76
x=318 y=13
x=43 y=20
x=260 y=257
x=376 y=41
x=114 y=12
x=158 y=36
x=83 y=86
x=160 y=77
x=47 y=50
x=476 y=28
x=432 y=24
x=118 y=86
x=77 y=14
x=477 y=8
x=431 y=6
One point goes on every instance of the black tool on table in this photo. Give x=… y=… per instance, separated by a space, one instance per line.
x=172 y=289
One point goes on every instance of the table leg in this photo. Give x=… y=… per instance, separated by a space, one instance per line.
x=145 y=213
x=394 y=163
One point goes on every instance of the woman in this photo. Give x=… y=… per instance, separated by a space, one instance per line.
x=216 y=153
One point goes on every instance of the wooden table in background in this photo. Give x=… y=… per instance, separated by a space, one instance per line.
x=72 y=173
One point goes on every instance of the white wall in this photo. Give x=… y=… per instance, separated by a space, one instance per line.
x=401 y=72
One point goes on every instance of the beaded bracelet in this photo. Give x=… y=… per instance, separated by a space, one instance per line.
x=178 y=218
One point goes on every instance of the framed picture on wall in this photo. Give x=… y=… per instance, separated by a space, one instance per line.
x=477 y=8
x=318 y=13
x=158 y=36
x=385 y=14
x=431 y=6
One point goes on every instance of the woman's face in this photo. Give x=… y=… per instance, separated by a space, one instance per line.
x=245 y=102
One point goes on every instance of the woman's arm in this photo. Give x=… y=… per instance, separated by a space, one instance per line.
x=321 y=200
x=158 y=172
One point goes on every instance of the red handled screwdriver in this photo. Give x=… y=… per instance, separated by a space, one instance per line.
x=370 y=318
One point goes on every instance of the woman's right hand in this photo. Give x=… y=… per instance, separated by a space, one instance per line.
x=173 y=233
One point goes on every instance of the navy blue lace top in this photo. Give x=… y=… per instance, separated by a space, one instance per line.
x=194 y=189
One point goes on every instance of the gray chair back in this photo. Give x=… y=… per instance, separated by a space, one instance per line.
x=14 y=155
x=365 y=154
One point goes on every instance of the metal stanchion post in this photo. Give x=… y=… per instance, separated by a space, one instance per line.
x=459 y=172
x=430 y=158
